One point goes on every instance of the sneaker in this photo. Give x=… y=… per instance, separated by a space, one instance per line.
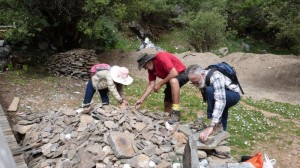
x=105 y=103
x=175 y=117
x=85 y=105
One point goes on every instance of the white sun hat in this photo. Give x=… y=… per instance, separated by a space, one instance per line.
x=121 y=75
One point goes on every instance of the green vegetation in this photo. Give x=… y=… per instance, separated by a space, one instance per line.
x=203 y=25
x=284 y=109
x=175 y=42
x=127 y=44
x=246 y=127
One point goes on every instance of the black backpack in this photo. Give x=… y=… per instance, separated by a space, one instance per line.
x=226 y=70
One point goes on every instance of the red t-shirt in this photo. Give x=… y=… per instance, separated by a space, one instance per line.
x=163 y=63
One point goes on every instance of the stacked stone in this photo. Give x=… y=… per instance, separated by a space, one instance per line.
x=111 y=137
x=75 y=63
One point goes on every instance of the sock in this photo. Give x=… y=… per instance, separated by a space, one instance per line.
x=176 y=107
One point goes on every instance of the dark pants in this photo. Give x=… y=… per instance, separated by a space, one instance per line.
x=89 y=93
x=232 y=98
x=182 y=79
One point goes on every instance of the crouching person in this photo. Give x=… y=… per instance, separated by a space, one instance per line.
x=107 y=79
x=220 y=94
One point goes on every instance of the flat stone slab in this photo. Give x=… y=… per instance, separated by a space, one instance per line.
x=215 y=142
x=190 y=156
x=122 y=144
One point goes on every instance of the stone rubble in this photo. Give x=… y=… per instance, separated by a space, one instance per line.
x=108 y=136
x=74 y=63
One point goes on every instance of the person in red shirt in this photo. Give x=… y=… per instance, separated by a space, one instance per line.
x=171 y=70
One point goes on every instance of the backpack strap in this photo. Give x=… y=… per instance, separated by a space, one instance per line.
x=207 y=81
x=209 y=74
x=240 y=87
x=211 y=71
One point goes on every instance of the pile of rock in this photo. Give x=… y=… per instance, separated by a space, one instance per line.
x=111 y=137
x=74 y=63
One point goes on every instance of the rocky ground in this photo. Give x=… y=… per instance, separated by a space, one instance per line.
x=262 y=76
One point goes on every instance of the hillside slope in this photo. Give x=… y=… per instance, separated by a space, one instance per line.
x=262 y=76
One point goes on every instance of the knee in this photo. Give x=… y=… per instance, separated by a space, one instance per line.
x=174 y=82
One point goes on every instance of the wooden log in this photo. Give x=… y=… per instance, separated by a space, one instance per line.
x=14 y=105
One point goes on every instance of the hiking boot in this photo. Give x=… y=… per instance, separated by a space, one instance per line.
x=175 y=117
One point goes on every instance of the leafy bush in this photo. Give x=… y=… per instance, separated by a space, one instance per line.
x=27 y=25
x=102 y=29
x=205 y=29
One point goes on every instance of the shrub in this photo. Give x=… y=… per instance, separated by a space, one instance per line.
x=205 y=29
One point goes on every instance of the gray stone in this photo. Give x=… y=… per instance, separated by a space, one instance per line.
x=149 y=151
x=155 y=159
x=63 y=163
x=110 y=124
x=69 y=112
x=190 y=158
x=71 y=153
x=122 y=120
x=46 y=149
x=23 y=129
x=201 y=154
x=74 y=134
x=223 y=150
x=166 y=148
x=185 y=129
x=58 y=129
x=127 y=126
x=158 y=151
x=180 y=150
x=164 y=164
x=95 y=148
x=147 y=136
x=122 y=144
x=86 y=119
x=139 y=126
x=55 y=138
x=68 y=129
x=108 y=150
x=82 y=127
x=48 y=129
x=217 y=139
x=100 y=165
x=85 y=159
x=45 y=134
x=100 y=156
x=139 y=161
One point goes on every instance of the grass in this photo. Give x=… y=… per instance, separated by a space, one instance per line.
x=174 y=42
x=284 y=109
x=127 y=43
x=246 y=127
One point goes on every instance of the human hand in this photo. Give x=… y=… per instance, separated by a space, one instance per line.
x=205 y=133
x=138 y=103
x=125 y=102
x=157 y=87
